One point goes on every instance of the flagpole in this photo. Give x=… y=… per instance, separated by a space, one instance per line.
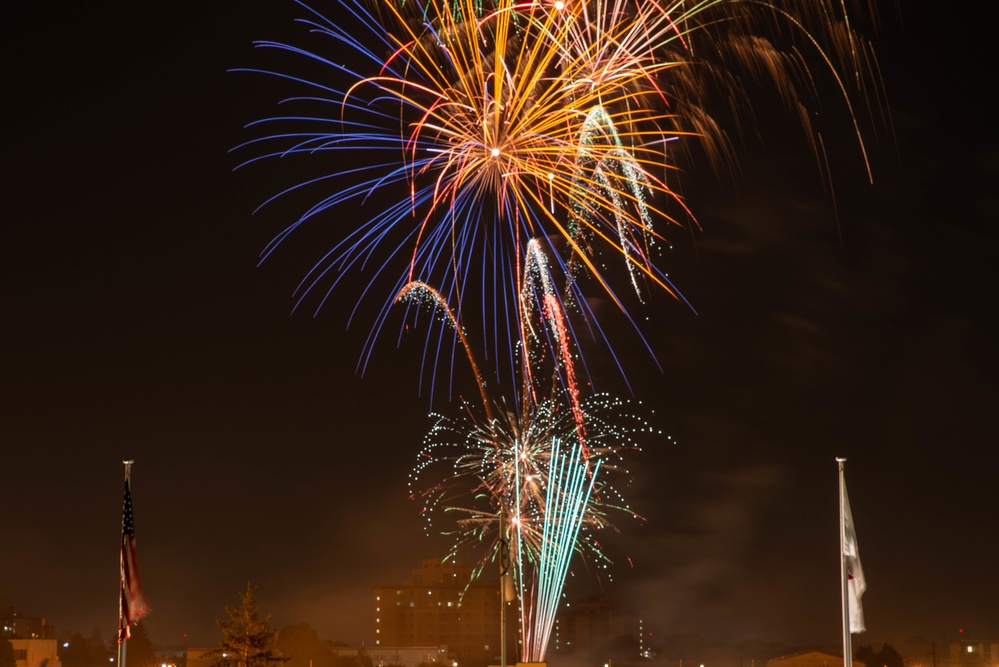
x=504 y=573
x=122 y=637
x=843 y=568
x=121 y=653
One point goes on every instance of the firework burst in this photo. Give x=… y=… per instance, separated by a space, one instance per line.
x=491 y=137
x=468 y=466
x=476 y=127
x=523 y=482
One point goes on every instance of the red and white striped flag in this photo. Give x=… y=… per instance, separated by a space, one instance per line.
x=132 y=604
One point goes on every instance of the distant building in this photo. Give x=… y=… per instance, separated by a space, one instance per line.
x=815 y=658
x=971 y=653
x=442 y=607
x=13 y=625
x=197 y=657
x=594 y=624
x=35 y=653
x=6 y=619
x=408 y=656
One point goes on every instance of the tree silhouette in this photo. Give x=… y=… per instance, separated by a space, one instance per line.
x=246 y=639
x=889 y=657
x=139 y=651
x=866 y=655
x=6 y=653
x=302 y=645
x=886 y=657
x=79 y=653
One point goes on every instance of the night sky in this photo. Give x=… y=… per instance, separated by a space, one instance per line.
x=136 y=324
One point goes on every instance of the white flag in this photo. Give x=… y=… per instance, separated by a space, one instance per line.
x=856 y=585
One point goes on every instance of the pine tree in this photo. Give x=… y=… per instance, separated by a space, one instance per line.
x=246 y=640
x=140 y=651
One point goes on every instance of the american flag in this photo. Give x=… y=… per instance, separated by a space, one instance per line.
x=132 y=603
